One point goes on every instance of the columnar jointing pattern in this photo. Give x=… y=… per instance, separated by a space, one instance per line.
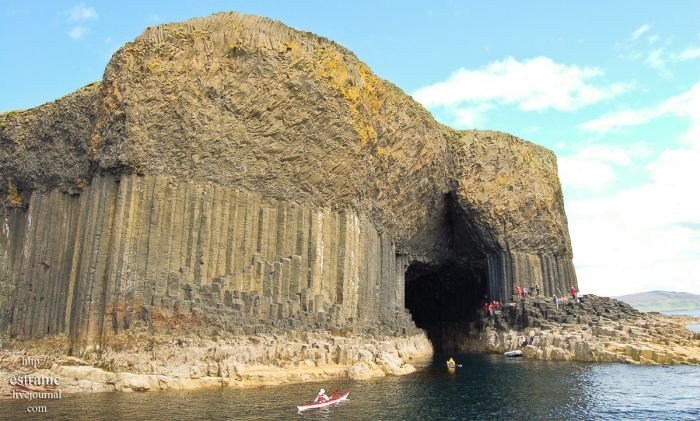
x=88 y=264
x=509 y=269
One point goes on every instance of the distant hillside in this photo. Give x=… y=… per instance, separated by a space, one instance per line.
x=662 y=301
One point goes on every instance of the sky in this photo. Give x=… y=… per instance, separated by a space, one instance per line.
x=613 y=88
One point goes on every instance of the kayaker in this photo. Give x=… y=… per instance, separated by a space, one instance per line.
x=322 y=397
x=451 y=362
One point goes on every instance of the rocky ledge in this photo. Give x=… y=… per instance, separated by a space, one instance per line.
x=598 y=329
x=144 y=362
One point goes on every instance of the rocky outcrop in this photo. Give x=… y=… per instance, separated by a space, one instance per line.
x=597 y=330
x=143 y=362
x=46 y=148
x=235 y=168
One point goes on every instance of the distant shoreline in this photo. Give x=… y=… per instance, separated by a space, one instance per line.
x=695 y=325
x=685 y=311
x=667 y=302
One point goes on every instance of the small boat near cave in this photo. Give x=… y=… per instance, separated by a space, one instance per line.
x=333 y=400
x=516 y=353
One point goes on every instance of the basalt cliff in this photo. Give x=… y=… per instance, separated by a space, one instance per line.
x=233 y=176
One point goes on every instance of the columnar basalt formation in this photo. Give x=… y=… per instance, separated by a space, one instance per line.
x=594 y=329
x=234 y=168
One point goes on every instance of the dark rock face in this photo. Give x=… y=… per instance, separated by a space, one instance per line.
x=46 y=148
x=234 y=166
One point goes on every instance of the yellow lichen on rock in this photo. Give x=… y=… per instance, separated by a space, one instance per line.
x=153 y=65
x=361 y=90
x=13 y=196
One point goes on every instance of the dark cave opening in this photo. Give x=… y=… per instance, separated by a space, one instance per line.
x=444 y=295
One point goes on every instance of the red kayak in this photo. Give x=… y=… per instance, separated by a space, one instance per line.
x=333 y=400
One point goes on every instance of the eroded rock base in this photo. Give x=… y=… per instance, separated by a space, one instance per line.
x=142 y=362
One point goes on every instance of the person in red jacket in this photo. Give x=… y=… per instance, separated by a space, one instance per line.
x=573 y=293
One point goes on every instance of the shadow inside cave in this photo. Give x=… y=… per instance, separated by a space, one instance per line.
x=444 y=296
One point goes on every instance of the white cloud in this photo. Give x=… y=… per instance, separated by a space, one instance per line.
x=77 y=16
x=640 y=31
x=81 y=13
x=611 y=154
x=688 y=54
x=532 y=85
x=657 y=60
x=646 y=237
x=618 y=119
x=472 y=117
x=78 y=32
x=683 y=105
x=467 y=117
x=591 y=168
x=638 y=239
x=585 y=174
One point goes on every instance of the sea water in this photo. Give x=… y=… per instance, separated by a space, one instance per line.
x=484 y=387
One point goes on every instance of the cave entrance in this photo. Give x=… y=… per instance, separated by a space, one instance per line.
x=444 y=299
x=444 y=295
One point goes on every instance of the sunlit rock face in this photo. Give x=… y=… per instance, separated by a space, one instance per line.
x=244 y=176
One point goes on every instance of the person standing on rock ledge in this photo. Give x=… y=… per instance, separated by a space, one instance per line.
x=556 y=300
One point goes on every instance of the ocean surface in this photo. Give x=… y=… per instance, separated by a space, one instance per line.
x=489 y=387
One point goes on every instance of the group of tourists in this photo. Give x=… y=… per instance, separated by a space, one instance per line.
x=534 y=291
x=564 y=300
x=531 y=291
x=492 y=307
